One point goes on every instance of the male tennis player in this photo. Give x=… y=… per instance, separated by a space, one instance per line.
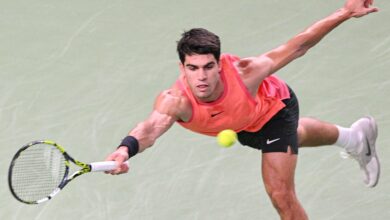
x=221 y=91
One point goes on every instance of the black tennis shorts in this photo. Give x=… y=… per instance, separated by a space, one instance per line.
x=279 y=132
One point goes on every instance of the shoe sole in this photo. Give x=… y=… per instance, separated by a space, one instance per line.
x=373 y=148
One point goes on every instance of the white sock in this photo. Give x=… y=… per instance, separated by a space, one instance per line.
x=347 y=137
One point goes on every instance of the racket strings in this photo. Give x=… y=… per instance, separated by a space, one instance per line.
x=37 y=172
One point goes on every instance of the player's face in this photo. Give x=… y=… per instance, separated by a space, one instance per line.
x=202 y=75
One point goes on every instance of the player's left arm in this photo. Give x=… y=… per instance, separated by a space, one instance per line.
x=255 y=69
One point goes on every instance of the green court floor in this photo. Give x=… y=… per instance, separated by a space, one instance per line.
x=83 y=73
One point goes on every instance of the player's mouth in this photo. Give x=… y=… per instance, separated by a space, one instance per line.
x=202 y=87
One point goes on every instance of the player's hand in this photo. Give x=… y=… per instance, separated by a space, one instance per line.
x=359 y=8
x=119 y=156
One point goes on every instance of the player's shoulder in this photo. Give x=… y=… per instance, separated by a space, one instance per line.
x=256 y=65
x=173 y=101
x=175 y=94
x=228 y=59
x=246 y=65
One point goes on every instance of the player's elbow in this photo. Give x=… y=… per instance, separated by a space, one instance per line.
x=301 y=50
x=302 y=43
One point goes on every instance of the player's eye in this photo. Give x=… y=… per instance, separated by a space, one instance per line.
x=209 y=66
x=192 y=68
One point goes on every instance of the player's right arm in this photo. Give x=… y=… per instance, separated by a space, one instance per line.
x=169 y=107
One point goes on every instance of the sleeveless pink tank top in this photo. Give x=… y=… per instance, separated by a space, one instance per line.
x=236 y=109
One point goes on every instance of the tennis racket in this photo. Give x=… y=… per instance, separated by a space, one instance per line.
x=40 y=170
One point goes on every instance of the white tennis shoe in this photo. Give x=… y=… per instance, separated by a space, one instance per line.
x=365 y=152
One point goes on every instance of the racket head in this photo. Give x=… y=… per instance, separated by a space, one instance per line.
x=38 y=171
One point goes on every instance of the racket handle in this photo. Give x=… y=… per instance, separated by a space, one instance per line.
x=104 y=166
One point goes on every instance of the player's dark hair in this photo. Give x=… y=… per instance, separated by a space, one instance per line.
x=198 y=41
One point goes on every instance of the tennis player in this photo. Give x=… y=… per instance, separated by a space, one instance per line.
x=221 y=91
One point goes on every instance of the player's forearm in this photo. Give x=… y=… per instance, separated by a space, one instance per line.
x=144 y=134
x=312 y=35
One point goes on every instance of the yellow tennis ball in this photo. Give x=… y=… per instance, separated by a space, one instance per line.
x=226 y=138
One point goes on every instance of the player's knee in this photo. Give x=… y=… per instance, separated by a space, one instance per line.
x=301 y=134
x=283 y=199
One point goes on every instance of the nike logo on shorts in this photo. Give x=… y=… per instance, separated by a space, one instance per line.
x=272 y=141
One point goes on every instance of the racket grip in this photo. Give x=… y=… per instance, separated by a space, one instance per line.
x=104 y=166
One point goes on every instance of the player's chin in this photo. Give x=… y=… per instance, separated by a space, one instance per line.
x=204 y=92
x=203 y=96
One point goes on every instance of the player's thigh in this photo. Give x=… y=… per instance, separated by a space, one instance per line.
x=278 y=170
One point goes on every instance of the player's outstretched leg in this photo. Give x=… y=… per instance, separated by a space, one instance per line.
x=358 y=141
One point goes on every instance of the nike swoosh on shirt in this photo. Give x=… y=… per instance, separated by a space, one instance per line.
x=215 y=114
